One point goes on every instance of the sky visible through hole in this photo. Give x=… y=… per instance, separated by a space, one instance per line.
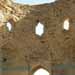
x=34 y=2
x=41 y=72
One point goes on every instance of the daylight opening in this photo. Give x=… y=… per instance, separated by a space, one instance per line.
x=41 y=71
x=66 y=24
x=39 y=30
x=34 y=2
x=9 y=26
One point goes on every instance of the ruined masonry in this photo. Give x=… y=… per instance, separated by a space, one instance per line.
x=22 y=52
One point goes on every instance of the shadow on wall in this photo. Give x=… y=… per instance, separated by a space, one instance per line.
x=39 y=29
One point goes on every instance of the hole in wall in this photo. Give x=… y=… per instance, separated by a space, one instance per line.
x=9 y=26
x=66 y=25
x=39 y=29
x=41 y=71
x=4 y=60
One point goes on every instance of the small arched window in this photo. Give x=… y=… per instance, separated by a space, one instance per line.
x=41 y=71
x=66 y=24
x=9 y=26
x=39 y=29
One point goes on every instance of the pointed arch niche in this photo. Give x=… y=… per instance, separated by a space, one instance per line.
x=66 y=25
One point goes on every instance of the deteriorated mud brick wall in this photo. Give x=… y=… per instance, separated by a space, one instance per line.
x=22 y=47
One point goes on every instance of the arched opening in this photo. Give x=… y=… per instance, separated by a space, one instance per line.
x=39 y=29
x=66 y=25
x=9 y=26
x=41 y=71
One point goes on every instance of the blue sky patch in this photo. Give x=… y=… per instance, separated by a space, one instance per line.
x=34 y=2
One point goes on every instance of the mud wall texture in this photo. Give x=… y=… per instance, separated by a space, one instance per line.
x=23 y=48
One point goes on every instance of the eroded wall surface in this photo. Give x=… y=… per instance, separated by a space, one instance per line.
x=51 y=51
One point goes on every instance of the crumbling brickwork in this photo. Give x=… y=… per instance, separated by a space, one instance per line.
x=23 y=48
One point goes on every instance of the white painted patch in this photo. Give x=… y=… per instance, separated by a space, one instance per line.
x=9 y=26
x=39 y=30
x=66 y=24
x=41 y=72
